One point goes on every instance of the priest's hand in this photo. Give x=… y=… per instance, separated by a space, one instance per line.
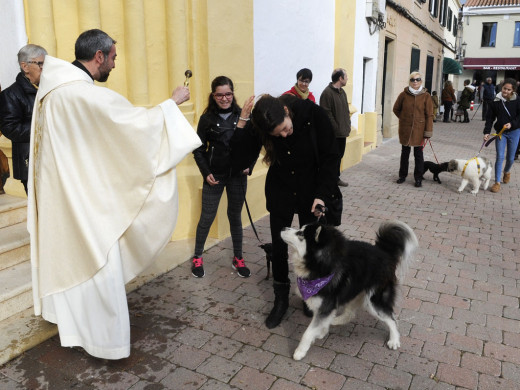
x=180 y=95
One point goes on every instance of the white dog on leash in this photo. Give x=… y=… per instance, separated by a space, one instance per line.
x=476 y=170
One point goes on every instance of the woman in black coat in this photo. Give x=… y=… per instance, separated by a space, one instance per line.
x=300 y=150
x=16 y=107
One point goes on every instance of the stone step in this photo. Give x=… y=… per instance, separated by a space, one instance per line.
x=15 y=289
x=13 y=210
x=14 y=245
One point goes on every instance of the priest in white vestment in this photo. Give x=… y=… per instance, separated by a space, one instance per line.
x=103 y=196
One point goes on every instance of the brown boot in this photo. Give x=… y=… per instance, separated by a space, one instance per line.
x=495 y=187
x=507 y=177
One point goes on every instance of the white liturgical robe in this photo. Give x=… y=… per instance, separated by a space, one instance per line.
x=102 y=202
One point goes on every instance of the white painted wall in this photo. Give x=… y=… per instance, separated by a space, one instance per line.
x=12 y=38
x=365 y=47
x=288 y=36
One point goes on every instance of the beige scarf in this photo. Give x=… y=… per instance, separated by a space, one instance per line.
x=303 y=95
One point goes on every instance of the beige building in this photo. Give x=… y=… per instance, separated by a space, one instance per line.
x=491 y=33
x=418 y=36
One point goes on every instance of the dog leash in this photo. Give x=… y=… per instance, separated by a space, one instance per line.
x=489 y=141
x=428 y=140
x=267 y=247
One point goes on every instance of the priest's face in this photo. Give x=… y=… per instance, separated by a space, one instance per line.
x=106 y=67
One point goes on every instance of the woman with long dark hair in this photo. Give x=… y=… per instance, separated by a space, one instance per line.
x=505 y=112
x=300 y=150
x=216 y=127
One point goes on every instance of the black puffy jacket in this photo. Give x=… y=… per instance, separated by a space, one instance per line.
x=16 y=108
x=214 y=156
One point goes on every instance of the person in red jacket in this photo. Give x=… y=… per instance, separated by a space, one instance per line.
x=301 y=88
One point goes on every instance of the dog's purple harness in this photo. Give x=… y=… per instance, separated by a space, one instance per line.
x=309 y=288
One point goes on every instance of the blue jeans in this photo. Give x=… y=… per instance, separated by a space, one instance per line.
x=509 y=138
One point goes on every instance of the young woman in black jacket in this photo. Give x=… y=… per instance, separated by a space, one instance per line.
x=215 y=129
x=505 y=112
x=300 y=149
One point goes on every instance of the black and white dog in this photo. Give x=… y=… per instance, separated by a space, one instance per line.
x=435 y=169
x=337 y=275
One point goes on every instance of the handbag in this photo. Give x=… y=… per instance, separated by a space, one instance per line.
x=334 y=201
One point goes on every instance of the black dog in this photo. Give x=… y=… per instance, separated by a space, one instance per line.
x=435 y=169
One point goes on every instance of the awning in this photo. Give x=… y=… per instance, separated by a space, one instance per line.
x=450 y=66
x=510 y=63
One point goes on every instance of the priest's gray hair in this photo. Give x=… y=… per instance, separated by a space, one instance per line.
x=30 y=52
x=90 y=41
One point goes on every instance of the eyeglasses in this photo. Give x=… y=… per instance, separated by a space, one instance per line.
x=414 y=80
x=306 y=82
x=220 y=96
x=39 y=63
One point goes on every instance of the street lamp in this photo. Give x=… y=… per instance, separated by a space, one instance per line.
x=463 y=50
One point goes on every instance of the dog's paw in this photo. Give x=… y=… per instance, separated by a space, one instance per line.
x=459 y=191
x=299 y=354
x=393 y=344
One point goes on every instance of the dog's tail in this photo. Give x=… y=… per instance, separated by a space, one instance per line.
x=398 y=239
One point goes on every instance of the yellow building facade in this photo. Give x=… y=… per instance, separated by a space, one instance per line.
x=157 y=41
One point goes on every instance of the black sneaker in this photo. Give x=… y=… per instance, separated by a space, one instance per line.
x=240 y=266
x=197 y=268
x=400 y=180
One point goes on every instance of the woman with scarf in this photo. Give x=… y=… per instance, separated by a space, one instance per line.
x=301 y=88
x=505 y=112
x=414 y=108
x=216 y=127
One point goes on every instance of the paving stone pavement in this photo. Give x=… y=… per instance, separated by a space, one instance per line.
x=459 y=315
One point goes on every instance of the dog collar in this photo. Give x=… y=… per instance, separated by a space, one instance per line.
x=309 y=288
x=467 y=162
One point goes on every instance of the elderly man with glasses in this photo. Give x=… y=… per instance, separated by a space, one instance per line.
x=16 y=107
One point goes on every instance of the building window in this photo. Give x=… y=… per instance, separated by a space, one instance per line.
x=433 y=7
x=455 y=25
x=450 y=16
x=516 y=41
x=443 y=12
x=489 y=34
x=414 y=60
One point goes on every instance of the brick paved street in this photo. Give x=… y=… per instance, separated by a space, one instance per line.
x=459 y=317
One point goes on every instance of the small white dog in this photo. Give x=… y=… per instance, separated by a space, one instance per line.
x=476 y=170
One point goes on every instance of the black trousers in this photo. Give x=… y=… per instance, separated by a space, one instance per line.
x=341 y=143
x=485 y=107
x=278 y=221
x=447 y=109
x=419 y=162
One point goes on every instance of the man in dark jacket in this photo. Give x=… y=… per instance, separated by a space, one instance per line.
x=487 y=96
x=16 y=107
x=334 y=101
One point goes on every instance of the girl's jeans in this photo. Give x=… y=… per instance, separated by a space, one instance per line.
x=509 y=138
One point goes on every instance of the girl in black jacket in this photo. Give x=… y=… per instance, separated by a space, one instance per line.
x=215 y=129
x=300 y=149
x=505 y=112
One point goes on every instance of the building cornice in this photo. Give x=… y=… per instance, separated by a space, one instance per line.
x=490 y=10
x=408 y=15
